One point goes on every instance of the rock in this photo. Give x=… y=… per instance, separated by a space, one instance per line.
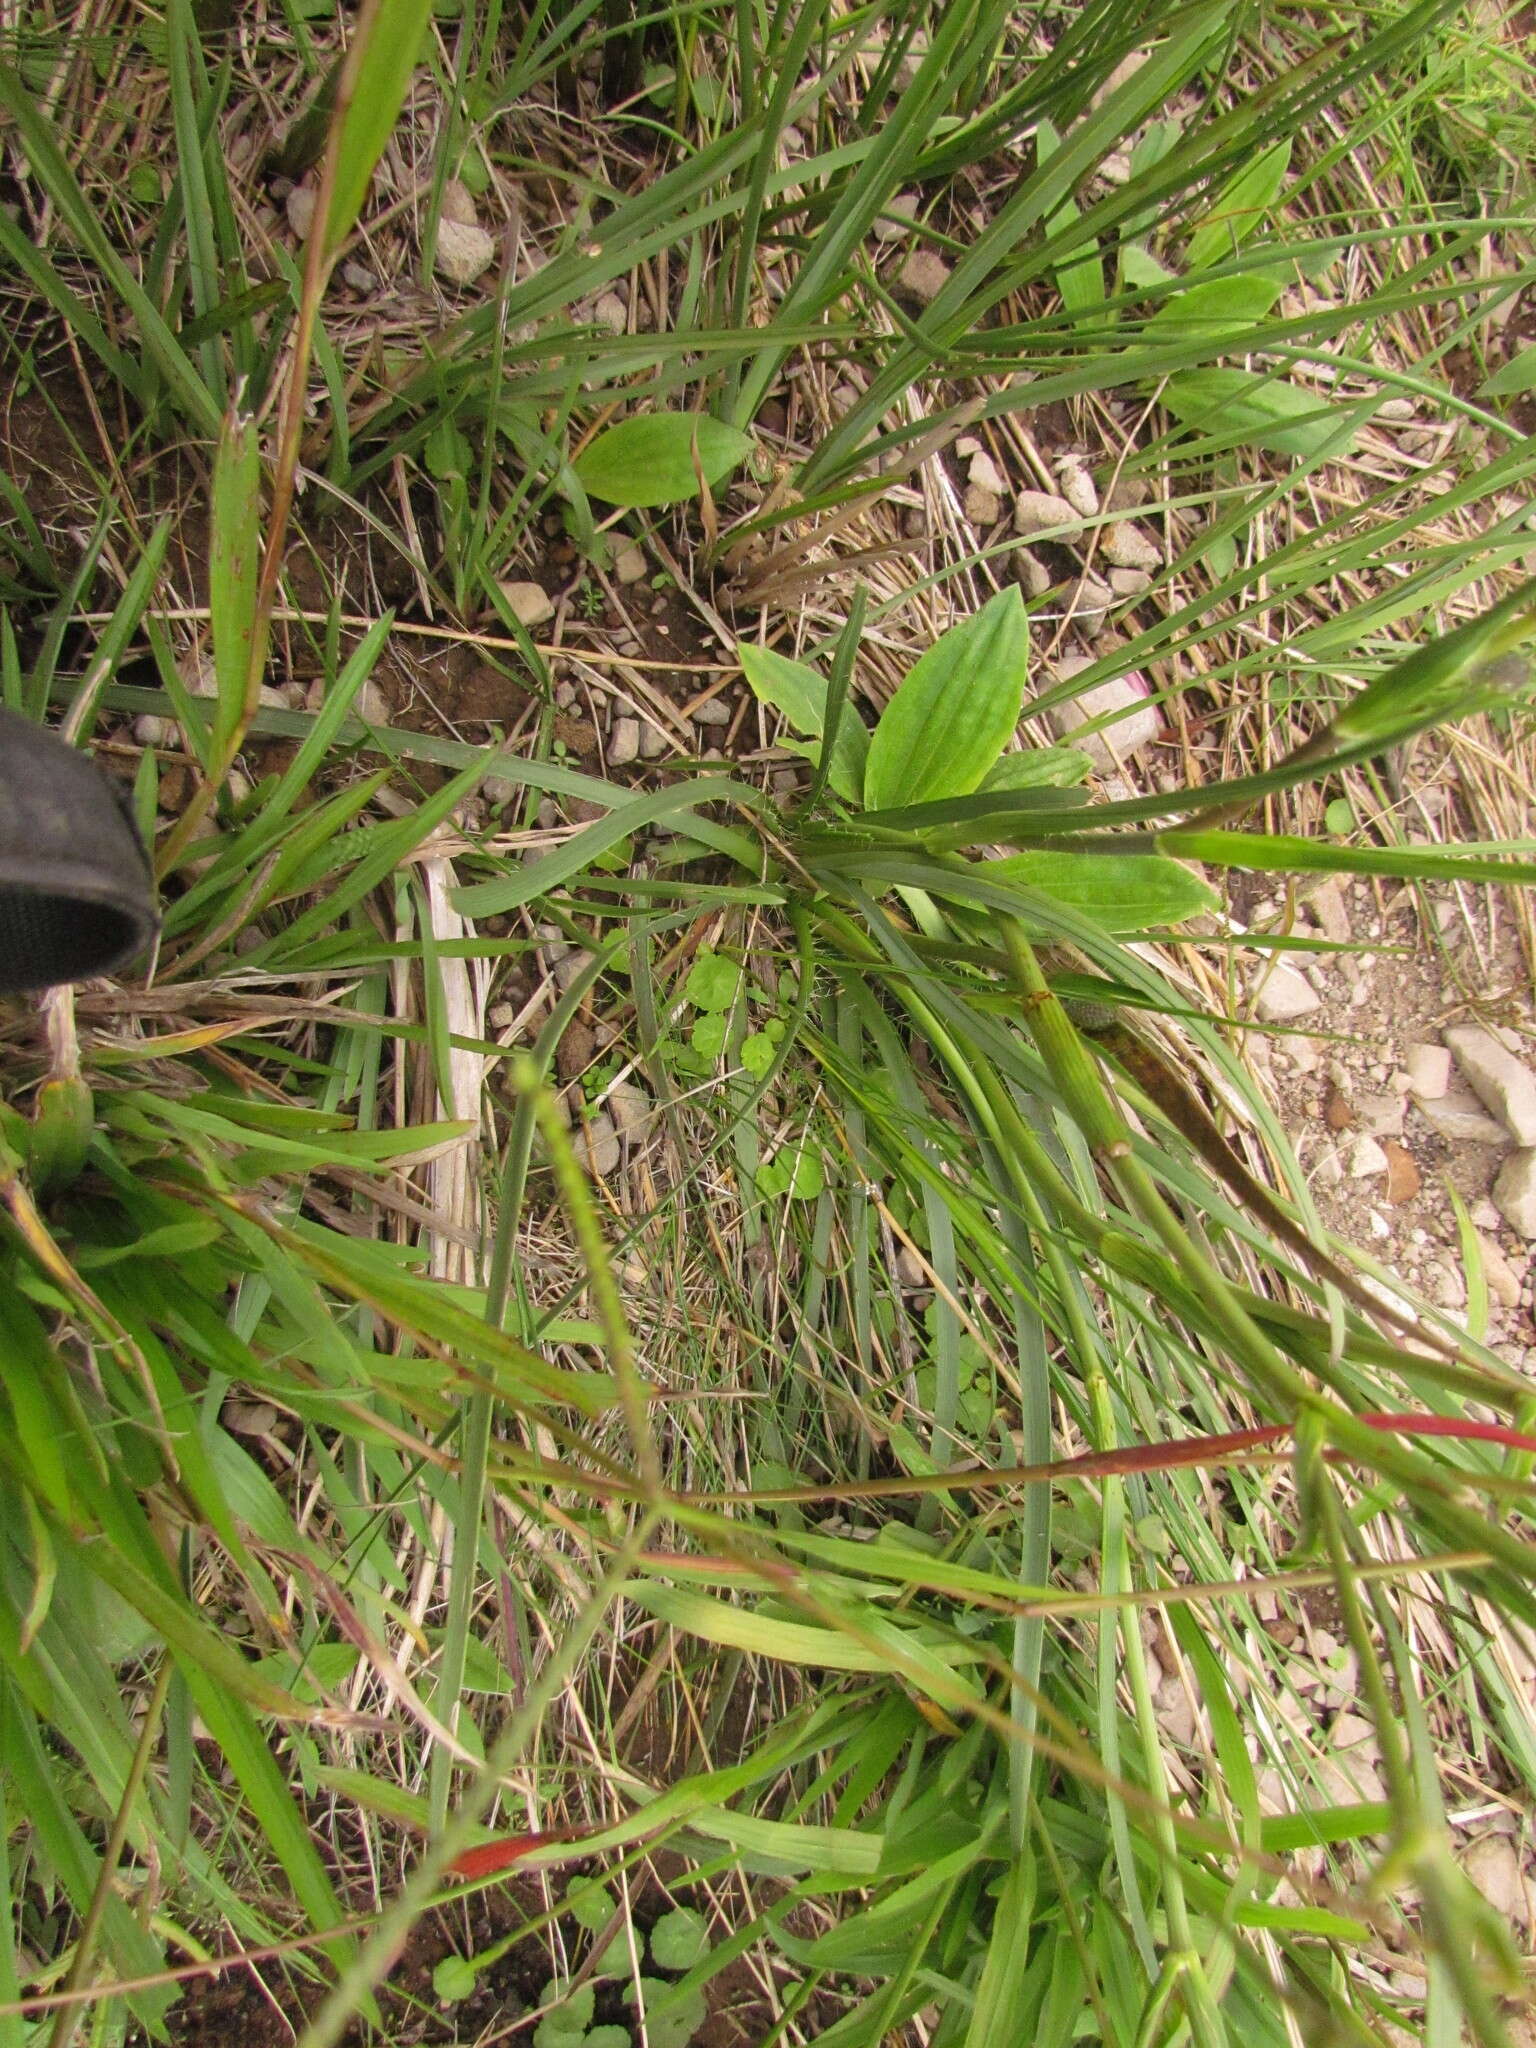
x=923 y=276
x=1031 y=573
x=1129 y=582
x=895 y=223
x=1039 y=511
x=1403 y=1177
x=1282 y=993
x=1127 y=736
x=624 y=742
x=1326 y=902
x=984 y=475
x=1449 y=1287
x=1460 y=1119
x=1125 y=546
x=1175 y=1712
x=629 y=564
x=597 y=1145
x=653 y=742
x=628 y=1105
x=1380 y=1115
x=909 y=1268
x=610 y=312
x=1514 y=1192
x=1089 y=599
x=530 y=603
x=151 y=731
x=300 y=209
x=1503 y=1082
x=1366 y=1158
x=458 y=205
x=1353 y=1772
x=1503 y=1281
x=715 y=711
x=464 y=252
x=1493 y=1864
x=1428 y=1068
x=982 y=508
x=1080 y=491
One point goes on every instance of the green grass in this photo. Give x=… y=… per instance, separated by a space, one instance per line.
x=379 y=1479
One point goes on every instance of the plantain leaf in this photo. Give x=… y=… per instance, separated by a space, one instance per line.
x=1122 y=892
x=945 y=728
x=658 y=457
x=801 y=695
x=1240 y=207
x=1248 y=406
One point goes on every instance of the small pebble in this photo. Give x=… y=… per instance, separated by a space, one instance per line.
x=624 y=742
x=464 y=253
x=529 y=603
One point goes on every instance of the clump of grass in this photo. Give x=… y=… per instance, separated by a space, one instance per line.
x=868 y=1498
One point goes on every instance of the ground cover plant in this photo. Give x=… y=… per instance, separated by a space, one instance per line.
x=665 y=1377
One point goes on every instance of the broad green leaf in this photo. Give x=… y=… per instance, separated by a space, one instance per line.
x=657 y=458
x=679 y=1939
x=1240 y=207
x=1513 y=377
x=453 y=1979
x=1246 y=406
x=1127 y=892
x=673 y=2014
x=947 y=725
x=1039 y=768
x=801 y=694
x=1221 y=309
x=1080 y=275
x=712 y=981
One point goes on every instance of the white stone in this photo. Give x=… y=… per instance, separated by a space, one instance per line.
x=1459 y=1118
x=1353 y=1772
x=458 y=204
x=985 y=475
x=1080 y=490
x=1514 y=1192
x=1428 y=1068
x=628 y=1105
x=895 y=223
x=714 y=711
x=1089 y=599
x=597 y=1145
x=300 y=209
x=529 y=603
x=1366 y=1158
x=1129 y=582
x=1127 y=693
x=611 y=312
x=1039 y=511
x=1380 y=1116
x=463 y=253
x=1493 y=1864
x=1126 y=546
x=1505 y=1084
x=923 y=276
x=624 y=742
x=151 y=731
x=629 y=564
x=1503 y=1281
x=982 y=508
x=653 y=741
x=1033 y=576
x=1282 y=993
